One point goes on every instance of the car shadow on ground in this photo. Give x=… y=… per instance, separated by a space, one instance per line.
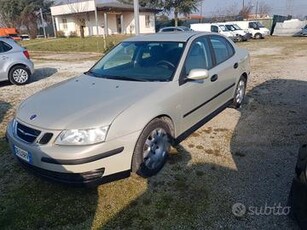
x=263 y=147
x=4 y=107
x=4 y=83
x=42 y=73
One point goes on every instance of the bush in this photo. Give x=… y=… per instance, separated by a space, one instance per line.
x=60 y=34
x=73 y=34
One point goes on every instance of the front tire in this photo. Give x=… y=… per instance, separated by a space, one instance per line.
x=239 y=93
x=152 y=148
x=19 y=75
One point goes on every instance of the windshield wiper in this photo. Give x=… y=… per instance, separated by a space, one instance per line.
x=124 y=78
x=91 y=73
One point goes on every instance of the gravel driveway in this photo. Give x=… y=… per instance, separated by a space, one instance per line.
x=244 y=156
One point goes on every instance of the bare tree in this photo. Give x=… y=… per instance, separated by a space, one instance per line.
x=78 y=8
x=263 y=8
x=246 y=11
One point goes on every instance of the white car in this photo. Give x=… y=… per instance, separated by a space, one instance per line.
x=215 y=28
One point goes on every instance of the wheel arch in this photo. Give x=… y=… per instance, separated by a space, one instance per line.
x=167 y=119
x=18 y=64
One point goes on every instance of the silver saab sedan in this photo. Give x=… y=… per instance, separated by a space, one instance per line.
x=123 y=115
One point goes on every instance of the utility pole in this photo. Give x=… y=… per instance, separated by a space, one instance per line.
x=257 y=4
x=136 y=17
x=43 y=24
x=243 y=5
x=201 y=11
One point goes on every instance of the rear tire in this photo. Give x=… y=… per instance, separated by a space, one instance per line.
x=152 y=148
x=258 y=36
x=19 y=75
x=239 y=93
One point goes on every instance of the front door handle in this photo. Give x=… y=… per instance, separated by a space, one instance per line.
x=236 y=65
x=214 y=77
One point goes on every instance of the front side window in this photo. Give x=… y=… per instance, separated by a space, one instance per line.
x=140 y=61
x=199 y=56
x=253 y=25
x=223 y=50
x=4 y=47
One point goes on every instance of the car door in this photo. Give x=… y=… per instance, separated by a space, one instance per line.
x=226 y=67
x=4 y=48
x=197 y=96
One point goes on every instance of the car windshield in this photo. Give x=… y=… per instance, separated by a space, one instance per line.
x=140 y=61
x=230 y=27
x=259 y=24
x=236 y=27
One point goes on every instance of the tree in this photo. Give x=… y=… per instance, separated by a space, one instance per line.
x=16 y=13
x=77 y=8
x=177 y=7
x=246 y=10
x=180 y=7
x=263 y=9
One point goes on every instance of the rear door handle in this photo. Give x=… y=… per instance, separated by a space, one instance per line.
x=236 y=65
x=214 y=77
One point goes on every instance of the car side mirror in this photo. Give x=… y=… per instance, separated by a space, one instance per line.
x=198 y=74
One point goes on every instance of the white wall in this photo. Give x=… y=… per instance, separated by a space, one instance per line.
x=77 y=7
x=90 y=23
x=71 y=25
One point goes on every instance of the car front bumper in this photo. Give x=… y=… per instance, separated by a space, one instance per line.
x=74 y=164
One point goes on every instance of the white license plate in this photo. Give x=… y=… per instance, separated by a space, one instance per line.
x=23 y=154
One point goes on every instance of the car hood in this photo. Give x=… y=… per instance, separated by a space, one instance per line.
x=83 y=102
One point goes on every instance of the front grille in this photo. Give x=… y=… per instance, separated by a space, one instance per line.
x=26 y=133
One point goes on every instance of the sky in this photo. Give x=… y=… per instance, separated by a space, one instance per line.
x=299 y=7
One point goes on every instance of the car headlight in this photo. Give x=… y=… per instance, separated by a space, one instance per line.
x=82 y=136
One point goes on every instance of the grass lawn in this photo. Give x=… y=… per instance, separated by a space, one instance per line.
x=88 y=44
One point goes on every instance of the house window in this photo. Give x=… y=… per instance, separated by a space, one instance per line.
x=64 y=21
x=147 y=21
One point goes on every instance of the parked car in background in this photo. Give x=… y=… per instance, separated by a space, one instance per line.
x=10 y=32
x=240 y=34
x=175 y=28
x=304 y=31
x=215 y=28
x=16 y=65
x=156 y=89
x=254 y=27
x=25 y=37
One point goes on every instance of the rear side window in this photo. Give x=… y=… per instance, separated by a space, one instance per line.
x=4 y=47
x=223 y=50
x=214 y=29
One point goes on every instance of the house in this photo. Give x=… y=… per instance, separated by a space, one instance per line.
x=96 y=17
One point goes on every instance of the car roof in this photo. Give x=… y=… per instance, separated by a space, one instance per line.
x=11 y=42
x=170 y=36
